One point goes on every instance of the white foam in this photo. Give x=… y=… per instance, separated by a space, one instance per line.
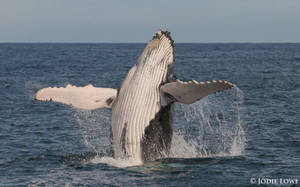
x=120 y=163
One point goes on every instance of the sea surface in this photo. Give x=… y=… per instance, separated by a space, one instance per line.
x=249 y=135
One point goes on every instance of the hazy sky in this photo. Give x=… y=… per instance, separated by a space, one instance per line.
x=138 y=20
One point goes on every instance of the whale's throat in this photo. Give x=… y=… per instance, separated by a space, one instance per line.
x=138 y=104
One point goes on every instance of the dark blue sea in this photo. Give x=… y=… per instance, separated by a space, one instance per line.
x=249 y=135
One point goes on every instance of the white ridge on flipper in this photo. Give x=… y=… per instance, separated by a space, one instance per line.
x=192 y=91
x=88 y=97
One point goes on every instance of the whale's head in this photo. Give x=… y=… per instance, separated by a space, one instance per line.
x=159 y=52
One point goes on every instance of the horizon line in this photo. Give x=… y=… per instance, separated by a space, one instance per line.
x=74 y=42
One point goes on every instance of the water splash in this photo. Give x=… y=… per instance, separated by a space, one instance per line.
x=95 y=129
x=210 y=127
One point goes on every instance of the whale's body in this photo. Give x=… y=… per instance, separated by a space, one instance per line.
x=142 y=109
x=137 y=109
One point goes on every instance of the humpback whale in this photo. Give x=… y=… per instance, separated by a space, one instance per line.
x=142 y=108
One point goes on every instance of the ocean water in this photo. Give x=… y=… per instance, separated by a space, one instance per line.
x=249 y=135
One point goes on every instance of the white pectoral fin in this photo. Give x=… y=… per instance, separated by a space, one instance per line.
x=192 y=91
x=88 y=97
